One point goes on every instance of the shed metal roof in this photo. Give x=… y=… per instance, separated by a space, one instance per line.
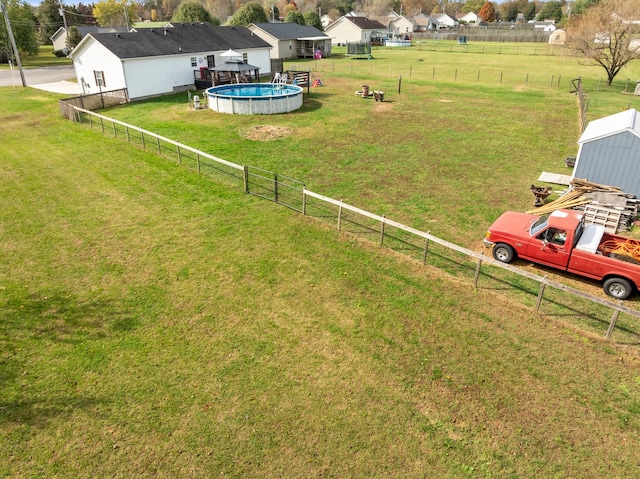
x=291 y=31
x=178 y=38
x=628 y=120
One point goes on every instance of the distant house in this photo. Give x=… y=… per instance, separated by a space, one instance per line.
x=424 y=23
x=400 y=25
x=609 y=152
x=325 y=20
x=157 y=61
x=290 y=40
x=59 y=38
x=350 y=29
x=470 y=18
x=444 y=21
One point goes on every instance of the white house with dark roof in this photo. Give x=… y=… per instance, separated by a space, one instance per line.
x=445 y=21
x=348 y=29
x=290 y=40
x=59 y=38
x=156 y=61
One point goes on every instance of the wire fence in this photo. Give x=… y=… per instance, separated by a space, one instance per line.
x=419 y=245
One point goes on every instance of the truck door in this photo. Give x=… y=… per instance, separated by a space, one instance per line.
x=550 y=247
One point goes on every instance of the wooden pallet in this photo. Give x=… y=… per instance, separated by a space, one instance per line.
x=607 y=217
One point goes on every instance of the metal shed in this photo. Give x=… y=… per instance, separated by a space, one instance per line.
x=609 y=152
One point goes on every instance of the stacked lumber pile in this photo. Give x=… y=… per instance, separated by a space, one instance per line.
x=602 y=204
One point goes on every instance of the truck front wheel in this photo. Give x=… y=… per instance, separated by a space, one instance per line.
x=504 y=253
x=618 y=288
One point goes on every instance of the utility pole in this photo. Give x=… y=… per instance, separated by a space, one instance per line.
x=64 y=18
x=13 y=40
x=126 y=15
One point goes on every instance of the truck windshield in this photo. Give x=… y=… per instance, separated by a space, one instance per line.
x=539 y=225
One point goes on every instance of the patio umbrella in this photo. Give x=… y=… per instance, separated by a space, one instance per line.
x=231 y=54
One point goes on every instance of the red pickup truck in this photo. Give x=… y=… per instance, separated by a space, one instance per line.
x=562 y=240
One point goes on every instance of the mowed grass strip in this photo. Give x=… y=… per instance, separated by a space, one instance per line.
x=156 y=323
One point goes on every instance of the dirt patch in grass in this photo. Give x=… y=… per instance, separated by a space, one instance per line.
x=267 y=132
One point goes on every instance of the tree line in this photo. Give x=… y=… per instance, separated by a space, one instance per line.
x=605 y=32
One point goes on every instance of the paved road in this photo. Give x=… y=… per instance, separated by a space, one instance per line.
x=49 y=78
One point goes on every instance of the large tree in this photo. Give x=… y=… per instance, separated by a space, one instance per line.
x=250 y=13
x=581 y=5
x=604 y=35
x=313 y=19
x=192 y=11
x=23 y=26
x=49 y=20
x=551 y=10
x=114 y=13
x=472 y=6
x=487 y=12
x=294 y=16
x=529 y=11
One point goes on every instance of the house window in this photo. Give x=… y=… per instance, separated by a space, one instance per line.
x=245 y=58
x=99 y=77
x=194 y=62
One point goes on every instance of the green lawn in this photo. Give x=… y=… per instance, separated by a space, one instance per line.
x=156 y=323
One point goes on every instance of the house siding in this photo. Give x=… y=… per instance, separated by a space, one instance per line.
x=152 y=76
x=95 y=57
x=612 y=160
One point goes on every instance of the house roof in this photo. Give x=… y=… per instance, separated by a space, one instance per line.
x=236 y=65
x=83 y=30
x=628 y=120
x=423 y=20
x=361 y=22
x=290 y=31
x=176 y=38
x=443 y=18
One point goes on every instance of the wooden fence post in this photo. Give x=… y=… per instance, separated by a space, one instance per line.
x=304 y=201
x=426 y=249
x=246 y=178
x=178 y=152
x=102 y=124
x=340 y=215
x=126 y=130
x=475 y=279
x=115 y=134
x=198 y=161
x=158 y=143
x=612 y=325
x=541 y=292
x=382 y=223
x=144 y=146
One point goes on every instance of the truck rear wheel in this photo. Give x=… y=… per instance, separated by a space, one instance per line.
x=618 y=288
x=504 y=253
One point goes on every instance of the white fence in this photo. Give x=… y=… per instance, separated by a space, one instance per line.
x=293 y=194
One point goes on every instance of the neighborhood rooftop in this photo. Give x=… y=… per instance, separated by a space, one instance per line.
x=286 y=31
x=178 y=38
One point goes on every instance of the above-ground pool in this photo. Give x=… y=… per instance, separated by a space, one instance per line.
x=254 y=98
x=396 y=42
